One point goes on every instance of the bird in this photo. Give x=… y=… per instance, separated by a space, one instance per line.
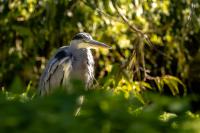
x=73 y=62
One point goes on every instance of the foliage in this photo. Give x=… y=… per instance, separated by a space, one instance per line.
x=155 y=47
x=102 y=111
x=154 y=39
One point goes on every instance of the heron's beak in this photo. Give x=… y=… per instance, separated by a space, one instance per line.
x=96 y=44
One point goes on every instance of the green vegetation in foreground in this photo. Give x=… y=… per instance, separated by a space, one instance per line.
x=102 y=111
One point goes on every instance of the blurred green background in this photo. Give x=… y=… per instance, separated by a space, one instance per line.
x=155 y=49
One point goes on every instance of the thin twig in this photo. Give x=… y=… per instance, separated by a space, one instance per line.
x=94 y=7
x=134 y=28
x=125 y=20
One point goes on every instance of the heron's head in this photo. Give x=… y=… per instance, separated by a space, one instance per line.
x=84 y=40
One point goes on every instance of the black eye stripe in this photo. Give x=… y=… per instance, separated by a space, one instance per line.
x=77 y=37
x=80 y=36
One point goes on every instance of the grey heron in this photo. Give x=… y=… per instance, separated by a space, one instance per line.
x=71 y=62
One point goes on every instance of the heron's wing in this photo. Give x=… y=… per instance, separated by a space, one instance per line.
x=56 y=72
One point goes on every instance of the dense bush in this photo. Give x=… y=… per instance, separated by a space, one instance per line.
x=102 y=111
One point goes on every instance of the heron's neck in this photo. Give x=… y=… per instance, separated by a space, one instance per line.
x=83 y=65
x=80 y=54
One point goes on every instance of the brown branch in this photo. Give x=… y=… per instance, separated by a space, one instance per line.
x=125 y=20
x=134 y=28
x=94 y=7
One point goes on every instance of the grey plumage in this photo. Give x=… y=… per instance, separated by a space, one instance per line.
x=70 y=62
